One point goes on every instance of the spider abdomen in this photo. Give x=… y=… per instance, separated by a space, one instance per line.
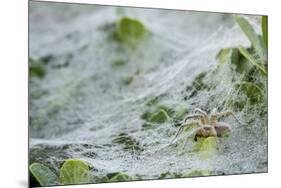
x=222 y=129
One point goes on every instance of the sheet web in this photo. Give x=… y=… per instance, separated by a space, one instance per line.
x=91 y=109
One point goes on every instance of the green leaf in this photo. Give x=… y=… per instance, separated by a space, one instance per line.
x=43 y=174
x=251 y=34
x=207 y=144
x=130 y=30
x=253 y=91
x=161 y=113
x=206 y=147
x=223 y=55
x=233 y=56
x=159 y=117
x=74 y=171
x=252 y=60
x=121 y=177
x=168 y=175
x=264 y=25
x=128 y=142
x=36 y=68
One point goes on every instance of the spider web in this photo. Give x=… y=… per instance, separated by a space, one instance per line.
x=87 y=112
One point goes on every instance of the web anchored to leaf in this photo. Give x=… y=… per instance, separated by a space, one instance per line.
x=116 y=98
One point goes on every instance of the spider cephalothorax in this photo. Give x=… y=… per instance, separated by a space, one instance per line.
x=207 y=126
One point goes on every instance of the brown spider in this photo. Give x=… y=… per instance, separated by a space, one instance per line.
x=207 y=127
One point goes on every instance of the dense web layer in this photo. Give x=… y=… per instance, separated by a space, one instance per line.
x=89 y=107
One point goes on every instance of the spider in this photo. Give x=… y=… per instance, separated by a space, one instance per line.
x=207 y=127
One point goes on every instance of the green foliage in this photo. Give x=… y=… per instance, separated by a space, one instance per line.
x=161 y=113
x=264 y=26
x=74 y=171
x=252 y=85
x=114 y=177
x=43 y=174
x=197 y=173
x=206 y=147
x=98 y=179
x=36 y=68
x=251 y=34
x=257 y=42
x=198 y=81
x=147 y=126
x=237 y=104
x=119 y=177
x=234 y=57
x=159 y=117
x=254 y=93
x=252 y=60
x=170 y=175
x=198 y=84
x=128 y=142
x=156 y=116
x=223 y=55
x=130 y=31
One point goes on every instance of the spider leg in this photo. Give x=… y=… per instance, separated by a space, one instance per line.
x=182 y=127
x=178 y=132
x=204 y=113
x=200 y=111
x=200 y=116
x=192 y=135
x=213 y=119
x=192 y=116
x=228 y=113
